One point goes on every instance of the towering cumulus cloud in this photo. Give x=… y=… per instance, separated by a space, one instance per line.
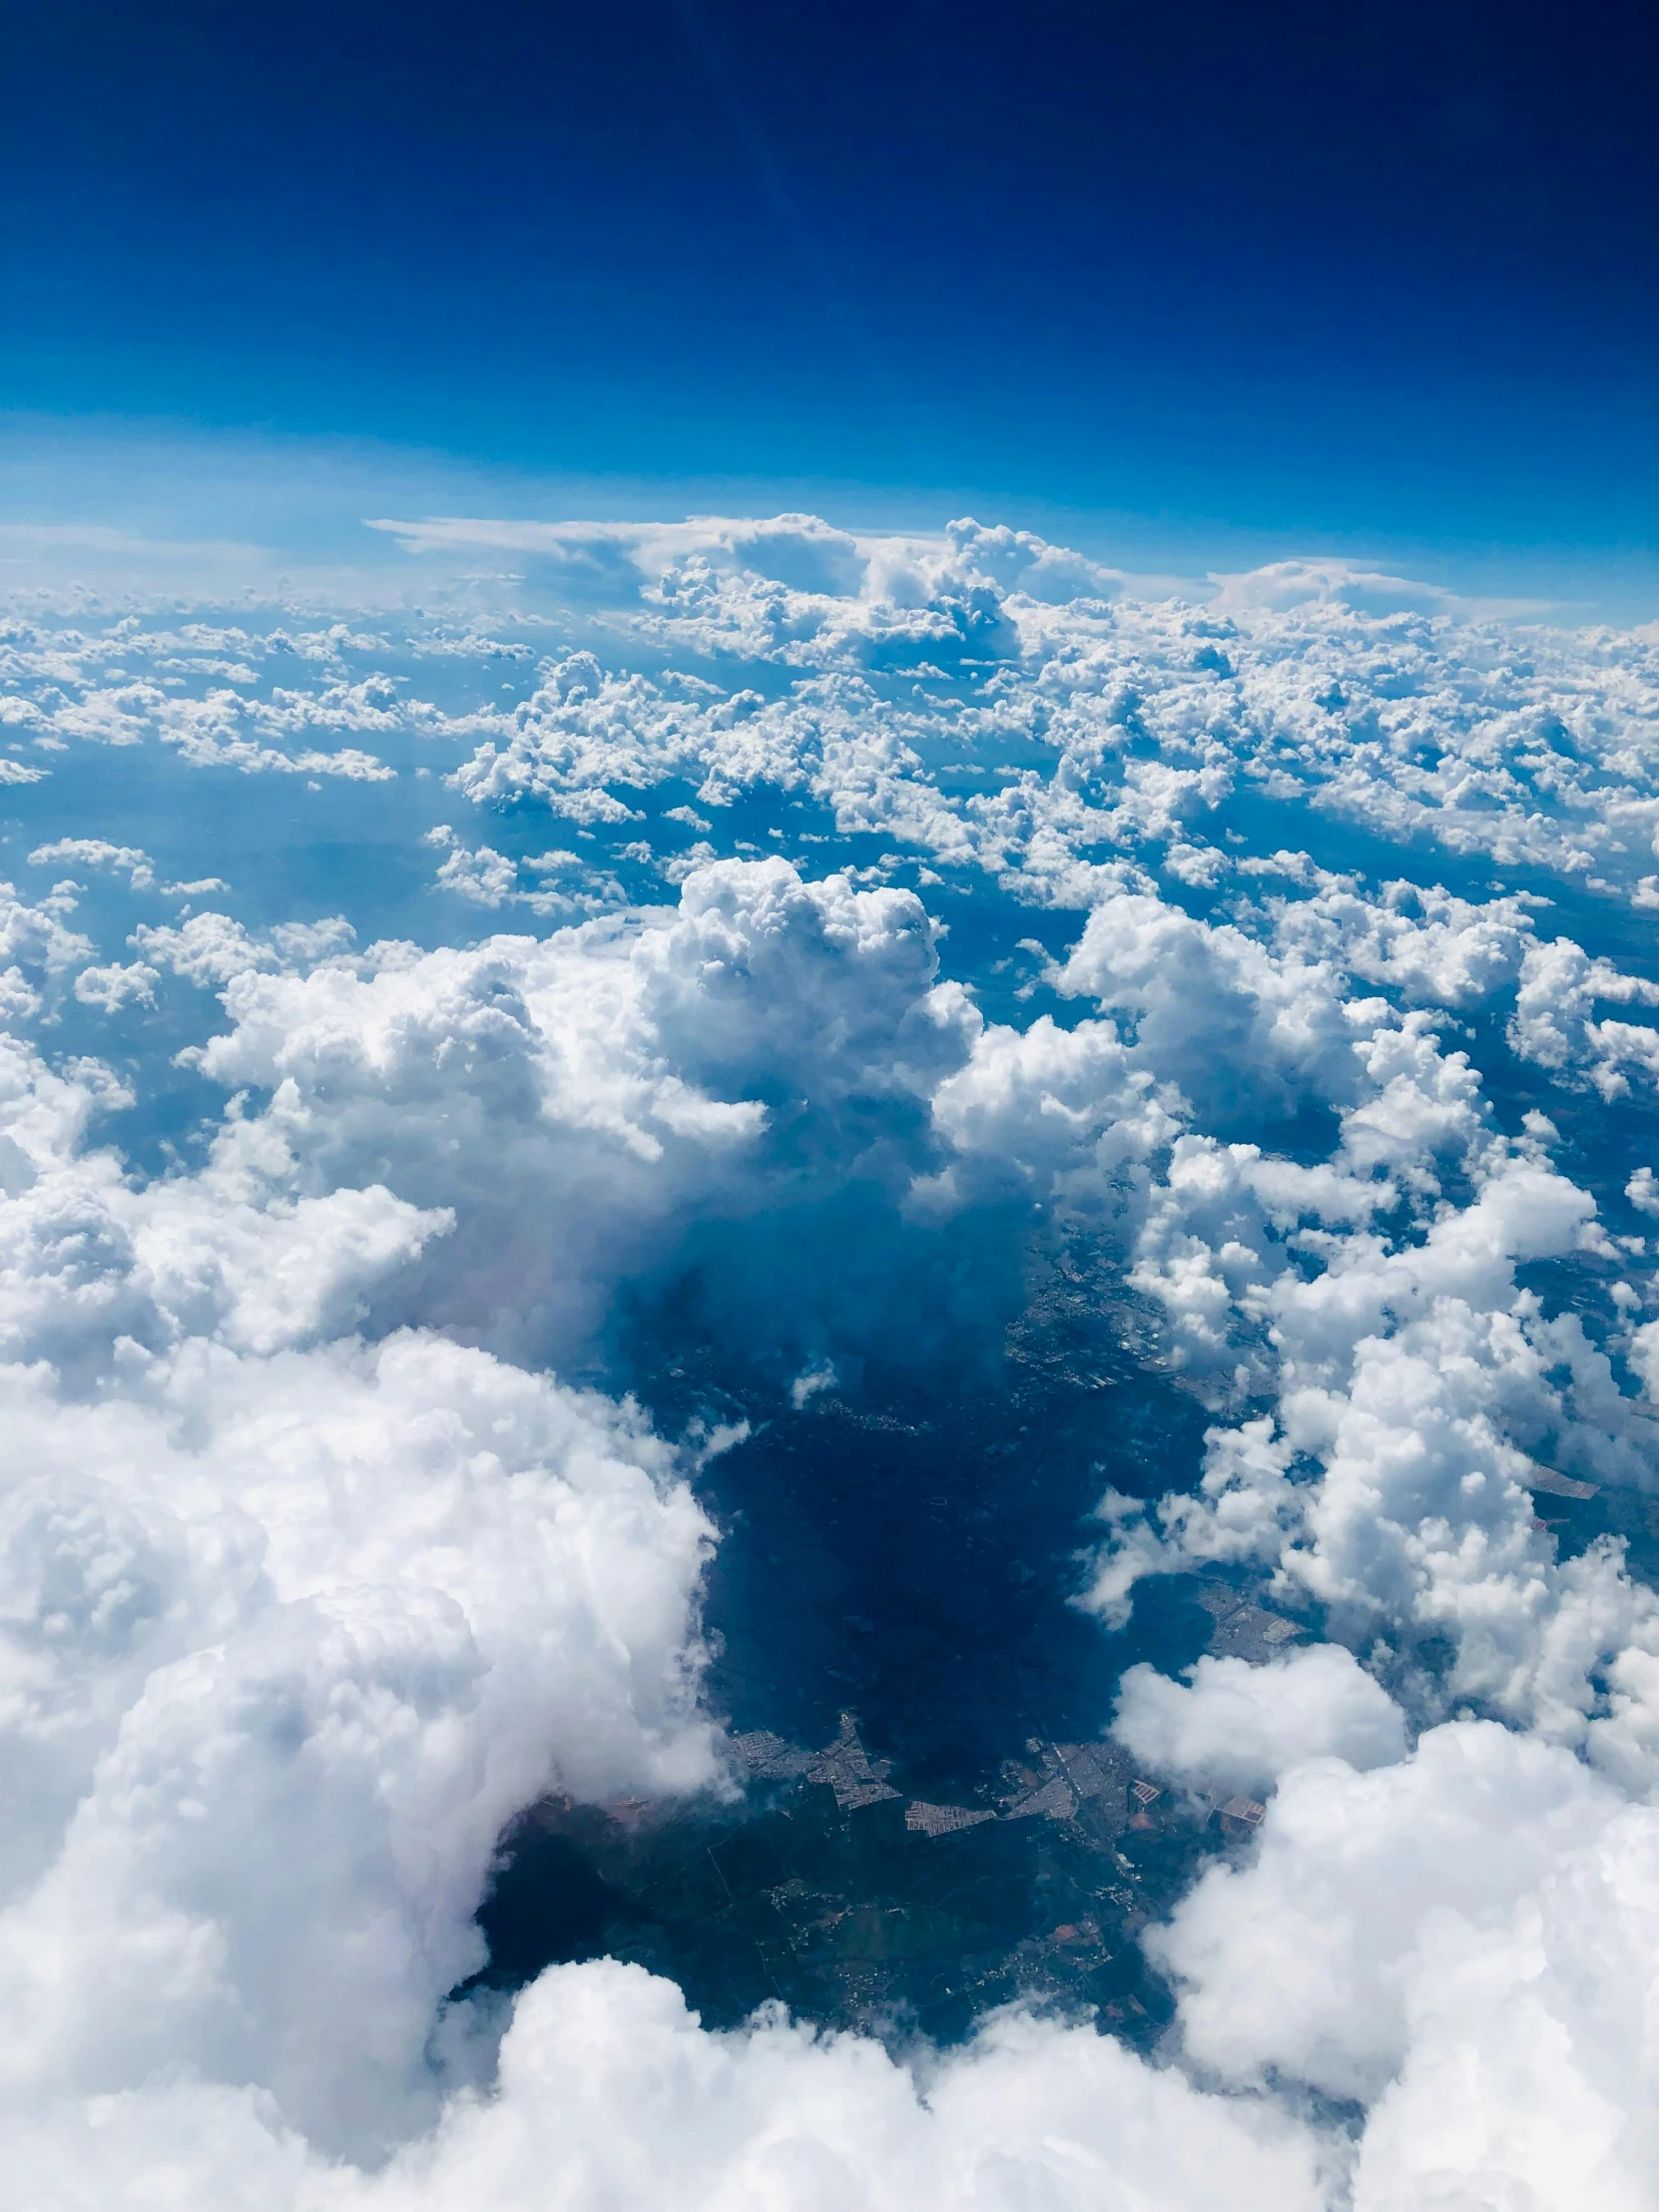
x=834 y=965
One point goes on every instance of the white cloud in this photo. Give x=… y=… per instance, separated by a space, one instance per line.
x=112 y=988
x=1060 y=1112
x=1237 y=1726
x=207 y=948
x=288 y=1636
x=34 y=942
x=288 y=1642
x=1464 y=1942
x=567 y=885
x=571 y=1098
x=291 y=1623
x=125 y=860
x=1559 y=987
x=1211 y=1010
x=1417 y=1386
x=1283 y=585
x=610 y=2093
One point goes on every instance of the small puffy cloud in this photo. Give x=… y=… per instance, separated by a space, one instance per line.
x=301 y=942
x=1060 y=1113
x=98 y=852
x=564 y=884
x=112 y=988
x=201 y=886
x=1554 y=1025
x=207 y=948
x=486 y=878
x=1239 y=1727
x=1211 y=1010
x=34 y=940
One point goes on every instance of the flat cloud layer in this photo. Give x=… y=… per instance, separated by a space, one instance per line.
x=840 y=925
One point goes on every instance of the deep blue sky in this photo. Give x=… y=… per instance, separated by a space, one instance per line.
x=1329 y=270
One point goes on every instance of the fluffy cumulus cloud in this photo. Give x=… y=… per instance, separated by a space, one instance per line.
x=293 y=1624
x=336 y=1617
x=1242 y=1726
x=609 y=2092
x=575 y=1106
x=819 y=936
x=1464 y=1942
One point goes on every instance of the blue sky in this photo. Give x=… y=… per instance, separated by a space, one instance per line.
x=1281 y=275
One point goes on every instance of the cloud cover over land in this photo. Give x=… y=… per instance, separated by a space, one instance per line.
x=835 y=923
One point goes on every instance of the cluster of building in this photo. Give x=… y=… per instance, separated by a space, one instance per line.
x=844 y=1766
x=1242 y=1816
x=1244 y=1630
x=1067 y=1778
x=1064 y=1780
x=1091 y=1784
x=922 y=1819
